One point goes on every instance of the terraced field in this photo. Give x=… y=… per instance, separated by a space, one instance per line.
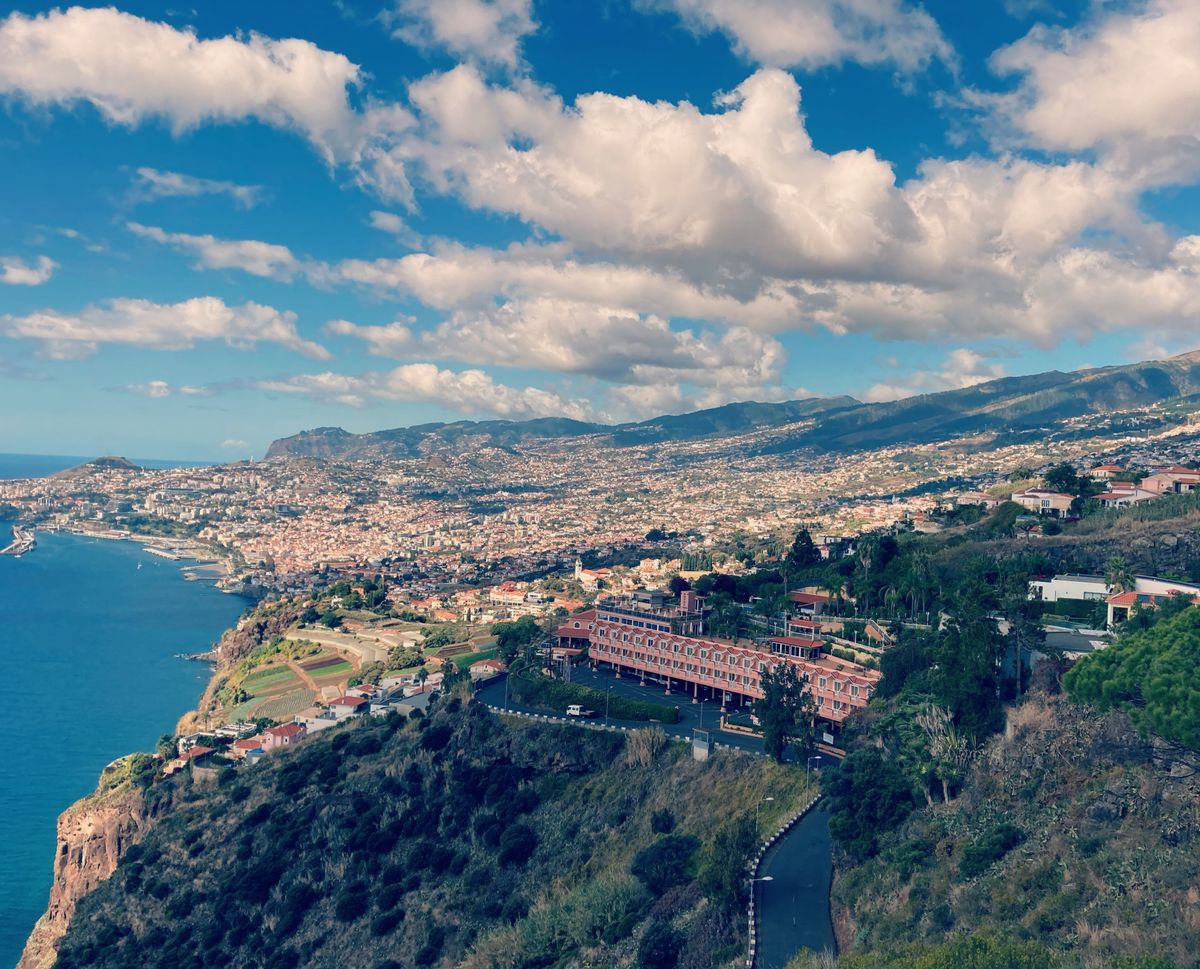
x=271 y=680
x=287 y=706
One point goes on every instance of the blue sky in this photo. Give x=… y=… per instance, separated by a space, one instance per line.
x=222 y=225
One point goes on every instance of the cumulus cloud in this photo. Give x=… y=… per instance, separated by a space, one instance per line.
x=1123 y=82
x=158 y=326
x=150 y=184
x=234 y=443
x=570 y=336
x=248 y=255
x=18 y=272
x=961 y=368
x=464 y=391
x=816 y=33
x=485 y=30
x=132 y=69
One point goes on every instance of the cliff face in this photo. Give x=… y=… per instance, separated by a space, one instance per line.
x=92 y=836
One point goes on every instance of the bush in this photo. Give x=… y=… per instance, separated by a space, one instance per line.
x=986 y=851
x=662 y=822
x=352 y=903
x=666 y=863
x=659 y=948
x=517 y=844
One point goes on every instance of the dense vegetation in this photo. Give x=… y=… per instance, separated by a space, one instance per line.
x=453 y=839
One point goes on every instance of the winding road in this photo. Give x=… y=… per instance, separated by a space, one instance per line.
x=793 y=906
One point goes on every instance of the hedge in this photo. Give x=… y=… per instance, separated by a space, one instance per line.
x=557 y=695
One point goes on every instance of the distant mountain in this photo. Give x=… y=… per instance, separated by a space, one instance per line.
x=1010 y=405
x=1007 y=405
x=422 y=439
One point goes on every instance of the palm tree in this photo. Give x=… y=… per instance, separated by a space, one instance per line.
x=1119 y=575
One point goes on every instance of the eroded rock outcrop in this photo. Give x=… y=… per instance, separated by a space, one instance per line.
x=92 y=836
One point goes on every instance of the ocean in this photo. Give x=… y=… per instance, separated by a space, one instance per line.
x=87 y=673
x=40 y=465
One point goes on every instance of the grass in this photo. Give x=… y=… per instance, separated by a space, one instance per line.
x=462 y=662
x=266 y=680
x=333 y=671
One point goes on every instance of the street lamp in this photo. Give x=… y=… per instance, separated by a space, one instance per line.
x=808 y=767
x=761 y=801
x=607 y=695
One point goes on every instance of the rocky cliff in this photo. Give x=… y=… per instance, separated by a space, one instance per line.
x=92 y=835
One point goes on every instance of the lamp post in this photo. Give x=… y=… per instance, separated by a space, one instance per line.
x=607 y=695
x=757 y=807
x=808 y=767
x=702 y=702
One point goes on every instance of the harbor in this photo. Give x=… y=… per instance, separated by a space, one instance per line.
x=23 y=540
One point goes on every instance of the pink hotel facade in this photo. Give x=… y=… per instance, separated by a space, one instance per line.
x=668 y=645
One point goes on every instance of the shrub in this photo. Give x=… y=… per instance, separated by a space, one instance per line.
x=986 y=851
x=659 y=948
x=351 y=903
x=662 y=822
x=666 y=863
x=517 y=844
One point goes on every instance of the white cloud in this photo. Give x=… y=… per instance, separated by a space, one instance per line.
x=158 y=326
x=570 y=336
x=465 y=391
x=234 y=444
x=393 y=225
x=816 y=33
x=961 y=368
x=131 y=69
x=485 y=30
x=18 y=272
x=150 y=184
x=248 y=255
x=1124 y=82
x=158 y=389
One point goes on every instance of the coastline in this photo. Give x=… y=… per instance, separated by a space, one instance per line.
x=119 y=684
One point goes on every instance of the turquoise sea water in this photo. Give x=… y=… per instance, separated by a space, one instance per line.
x=87 y=673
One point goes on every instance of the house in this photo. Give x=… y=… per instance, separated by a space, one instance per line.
x=348 y=706
x=1043 y=502
x=980 y=498
x=574 y=632
x=365 y=691
x=1069 y=586
x=1121 y=498
x=486 y=669
x=1148 y=591
x=1175 y=480
x=241 y=749
x=1106 y=472
x=809 y=603
x=283 y=736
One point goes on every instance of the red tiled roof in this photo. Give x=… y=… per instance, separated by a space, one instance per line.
x=809 y=598
x=347 y=701
x=287 y=729
x=795 y=641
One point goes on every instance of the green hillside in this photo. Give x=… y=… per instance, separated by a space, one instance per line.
x=456 y=839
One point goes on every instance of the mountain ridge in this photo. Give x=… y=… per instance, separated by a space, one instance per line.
x=1004 y=405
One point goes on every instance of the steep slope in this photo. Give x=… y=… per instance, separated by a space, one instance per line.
x=1067 y=832
x=456 y=839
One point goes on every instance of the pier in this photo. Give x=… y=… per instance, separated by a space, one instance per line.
x=24 y=540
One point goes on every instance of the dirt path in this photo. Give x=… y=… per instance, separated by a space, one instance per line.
x=307 y=680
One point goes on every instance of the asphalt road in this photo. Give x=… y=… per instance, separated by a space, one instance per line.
x=689 y=713
x=793 y=907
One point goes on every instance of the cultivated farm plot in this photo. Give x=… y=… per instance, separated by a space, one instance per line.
x=271 y=680
x=286 y=706
x=326 y=669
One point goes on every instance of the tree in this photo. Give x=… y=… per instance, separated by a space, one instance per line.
x=513 y=637
x=656 y=535
x=666 y=863
x=1119 y=575
x=678 y=584
x=966 y=674
x=660 y=945
x=1151 y=675
x=804 y=552
x=331 y=619
x=786 y=711
x=1063 y=477
x=868 y=796
x=949 y=751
